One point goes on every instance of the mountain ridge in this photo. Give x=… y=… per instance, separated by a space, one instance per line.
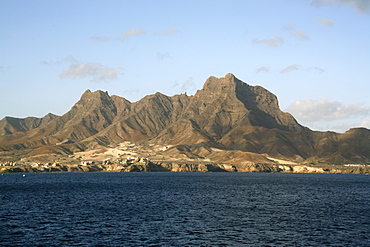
x=226 y=114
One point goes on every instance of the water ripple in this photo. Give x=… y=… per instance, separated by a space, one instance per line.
x=184 y=209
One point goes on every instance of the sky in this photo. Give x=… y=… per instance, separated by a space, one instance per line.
x=314 y=55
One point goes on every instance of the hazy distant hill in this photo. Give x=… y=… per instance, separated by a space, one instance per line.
x=225 y=117
x=11 y=125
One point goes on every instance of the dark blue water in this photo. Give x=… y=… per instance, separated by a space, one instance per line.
x=184 y=209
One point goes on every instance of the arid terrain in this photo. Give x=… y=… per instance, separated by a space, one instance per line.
x=129 y=157
x=226 y=126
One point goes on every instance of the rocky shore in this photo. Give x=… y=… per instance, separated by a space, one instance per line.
x=186 y=167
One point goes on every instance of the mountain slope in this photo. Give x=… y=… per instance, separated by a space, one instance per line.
x=11 y=125
x=226 y=120
x=91 y=114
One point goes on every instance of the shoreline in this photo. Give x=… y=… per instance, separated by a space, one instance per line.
x=189 y=167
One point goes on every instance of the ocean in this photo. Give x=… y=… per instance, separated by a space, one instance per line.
x=184 y=209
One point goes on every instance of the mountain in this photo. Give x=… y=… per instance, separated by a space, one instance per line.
x=11 y=125
x=227 y=120
x=227 y=106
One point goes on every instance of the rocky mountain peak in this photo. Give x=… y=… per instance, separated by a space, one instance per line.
x=221 y=85
x=97 y=94
x=98 y=100
x=232 y=79
x=86 y=93
x=230 y=76
x=48 y=117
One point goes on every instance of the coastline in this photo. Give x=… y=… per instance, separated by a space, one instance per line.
x=187 y=167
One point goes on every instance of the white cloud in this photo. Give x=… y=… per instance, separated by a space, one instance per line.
x=188 y=85
x=165 y=55
x=299 y=35
x=326 y=22
x=291 y=68
x=169 y=31
x=366 y=123
x=263 y=69
x=94 y=70
x=295 y=67
x=132 y=32
x=175 y=84
x=317 y=110
x=100 y=38
x=295 y=32
x=320 y=70
x=342 y=127
x=274 y=42
x=66 y=60
x=361 y=6
x=289 y=26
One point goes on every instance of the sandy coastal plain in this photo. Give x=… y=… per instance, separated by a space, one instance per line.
x=129 y=157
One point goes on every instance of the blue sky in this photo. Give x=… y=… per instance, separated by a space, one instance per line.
x=314 y=55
